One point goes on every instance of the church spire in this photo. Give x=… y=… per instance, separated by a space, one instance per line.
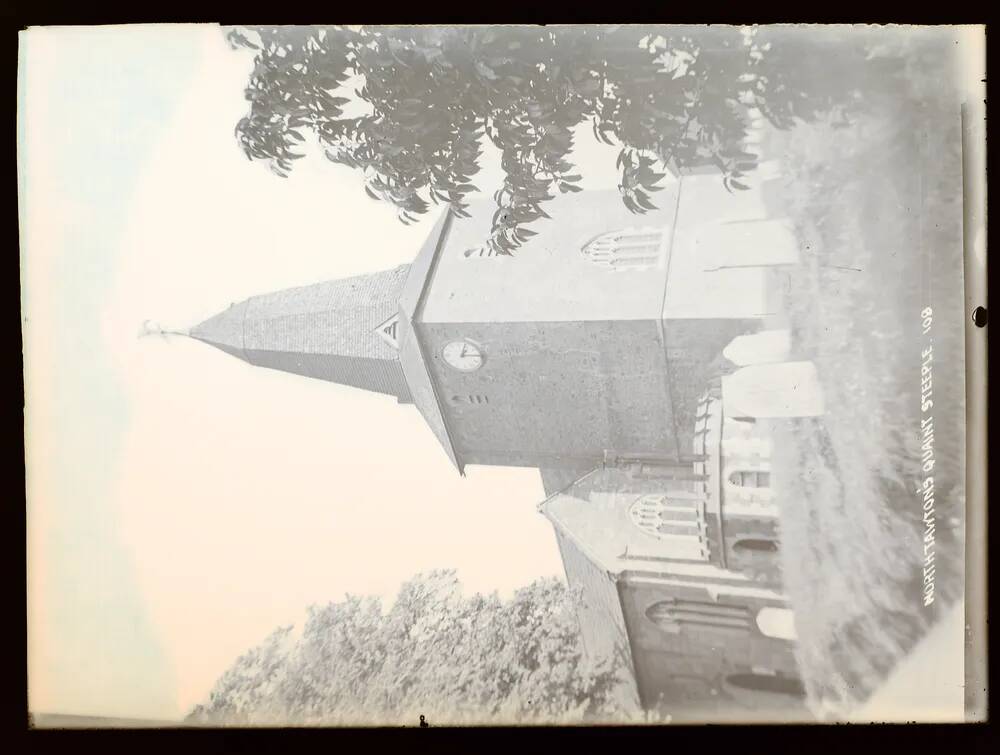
x=342 y=331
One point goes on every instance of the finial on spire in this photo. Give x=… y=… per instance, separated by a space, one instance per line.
x=151 y=328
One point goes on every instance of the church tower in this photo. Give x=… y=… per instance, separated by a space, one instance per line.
x=593 y=342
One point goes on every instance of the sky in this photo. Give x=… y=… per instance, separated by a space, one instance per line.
x=183 y=504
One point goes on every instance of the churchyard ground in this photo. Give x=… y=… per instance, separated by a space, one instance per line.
x=877 y=206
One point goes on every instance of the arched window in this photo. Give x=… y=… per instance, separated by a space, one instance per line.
x=777 y=622
x=673 y=614
x=782 y=685
x=760 y=545
x=679 y=521
x=629 y=248
x=750 y=478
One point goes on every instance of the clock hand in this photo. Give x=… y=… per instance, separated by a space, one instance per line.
x=464 y=351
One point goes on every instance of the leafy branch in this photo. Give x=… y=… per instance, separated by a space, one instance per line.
x=672 y=98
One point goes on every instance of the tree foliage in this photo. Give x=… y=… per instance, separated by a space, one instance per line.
x=435 y=653
x=669 y=97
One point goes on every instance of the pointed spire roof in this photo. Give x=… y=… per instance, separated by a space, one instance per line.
x=331 y=331
x=356 y=331
x=224 y=330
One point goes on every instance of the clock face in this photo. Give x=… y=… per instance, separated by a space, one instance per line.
x=463 y=355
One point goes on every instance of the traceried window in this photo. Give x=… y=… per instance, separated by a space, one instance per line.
x=750 y=478
x=673 y=615
x=626 y=249
x=677 y=520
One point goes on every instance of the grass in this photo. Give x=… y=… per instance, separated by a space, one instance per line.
x=877 y=206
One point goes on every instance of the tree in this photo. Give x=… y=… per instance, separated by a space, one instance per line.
x=435 y=653
x=670 y=97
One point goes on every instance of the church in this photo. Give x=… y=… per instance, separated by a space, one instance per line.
x=597 y=354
